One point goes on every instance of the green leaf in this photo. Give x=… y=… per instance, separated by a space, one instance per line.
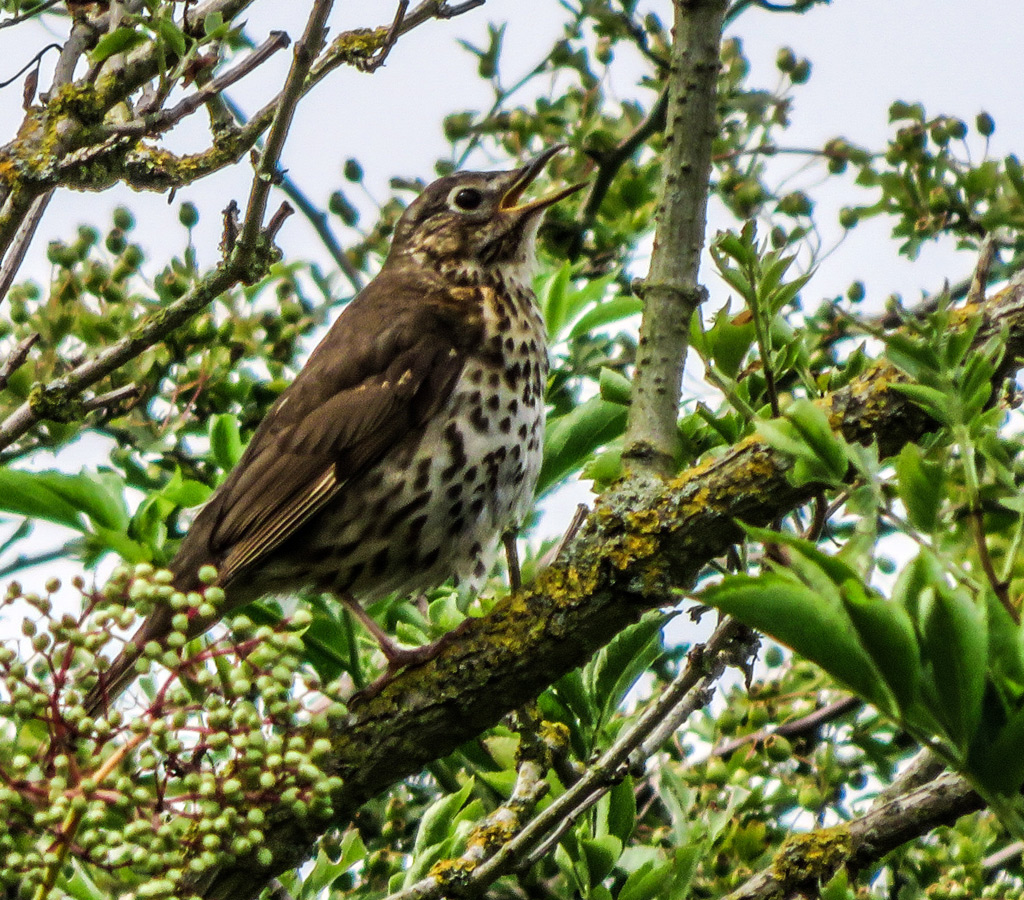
x=119 y=41
x=728 y=341
x=838 y=887
x=955 y=644
x=646 y=882
x=617 y=666
x=436 y=823
x=212 y=23
x=886 y=632
x=553 y=298
x=570 y=440
x=60 y=498
x=816 y=627
x=834 y=569
x=185 y=492
x=921 y=486
x=172 y=35
x=226 y=441
x=601 y=854
x=932 y=401
x=1015 y=173
x=614 y=310
x=814 y=427
x=622 y=810
x=615 y=388
x=998 y=764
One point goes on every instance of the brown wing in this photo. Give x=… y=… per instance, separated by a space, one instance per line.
x=386 y=365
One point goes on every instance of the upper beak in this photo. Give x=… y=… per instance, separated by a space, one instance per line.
x=525 y=176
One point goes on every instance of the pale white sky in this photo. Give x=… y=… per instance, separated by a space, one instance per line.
x=957 y=58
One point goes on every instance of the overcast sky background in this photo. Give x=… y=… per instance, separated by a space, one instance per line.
x=957 y=58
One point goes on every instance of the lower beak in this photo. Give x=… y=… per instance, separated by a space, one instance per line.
x=525 y=177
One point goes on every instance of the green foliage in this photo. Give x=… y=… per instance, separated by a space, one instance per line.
x=926 y=636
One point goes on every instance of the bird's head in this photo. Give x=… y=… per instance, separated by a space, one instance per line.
x=475 y=221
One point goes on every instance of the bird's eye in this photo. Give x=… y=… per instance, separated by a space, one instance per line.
x=468 y=198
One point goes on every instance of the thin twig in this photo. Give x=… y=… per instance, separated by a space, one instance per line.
x=27 y=562
x=530 y=786
x=306 y=50
x=15 y=255
x=794 y=728
x=578 y=518
x=997 y=861
x=112 y=398
x=164 y=120
x=16 y=359
x=277 y=220
x=313 y=214
x=25 y=16
x=999 y=587
x=687 y=692
x=32 y=63
x=608 y=166
x=436 y=9
x=377 y=60
x=982 y=271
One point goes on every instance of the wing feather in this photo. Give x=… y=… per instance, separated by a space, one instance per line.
x=391 y=359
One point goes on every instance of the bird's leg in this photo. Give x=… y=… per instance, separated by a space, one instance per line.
x=515 y=578
x=397 y=657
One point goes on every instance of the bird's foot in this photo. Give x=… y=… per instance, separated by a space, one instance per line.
x=401 y=658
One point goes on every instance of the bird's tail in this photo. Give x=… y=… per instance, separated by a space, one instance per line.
x=121 y=672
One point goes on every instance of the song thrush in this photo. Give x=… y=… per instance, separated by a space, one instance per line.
x=410 y=441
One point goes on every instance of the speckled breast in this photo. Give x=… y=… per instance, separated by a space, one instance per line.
x=436 y=507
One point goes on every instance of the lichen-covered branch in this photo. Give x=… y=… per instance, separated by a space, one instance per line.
x=807 y=861
x=671 y=291
x=68 y=141
x=641 y=543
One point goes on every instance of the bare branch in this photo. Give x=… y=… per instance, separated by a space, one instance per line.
x=375 y=62
x=690 y=690
x=437 y=9
x=161 y=121
x=794 y=728
x=861 y=842
x=112 y=398
x=16 y=360
x=306 y=51
x=277 y=220
x=22 y=17
x=671 y=291
x=32 y=214
x=15 y=255
x=609 y=164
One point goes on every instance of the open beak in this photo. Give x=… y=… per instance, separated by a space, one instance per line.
x=525 y=176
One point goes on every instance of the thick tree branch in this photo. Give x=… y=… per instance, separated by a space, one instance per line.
x=671 y=291
x=640 y=543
